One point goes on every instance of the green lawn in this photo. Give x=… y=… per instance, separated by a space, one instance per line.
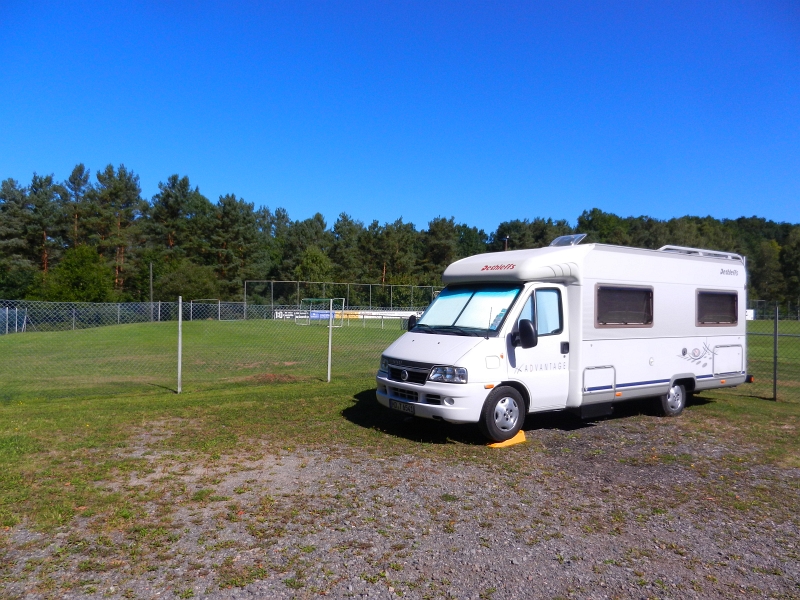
x=70 y=401
x=760 y=360
x=143 y=357
x=56 y=452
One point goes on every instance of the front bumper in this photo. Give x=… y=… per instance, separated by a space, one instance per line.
x=429 y=399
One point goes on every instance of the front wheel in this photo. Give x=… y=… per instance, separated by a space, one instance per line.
x=673 y=402
x=503 y=414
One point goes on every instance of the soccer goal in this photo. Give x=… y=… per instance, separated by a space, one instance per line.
x=204 y=308
x=320 y=311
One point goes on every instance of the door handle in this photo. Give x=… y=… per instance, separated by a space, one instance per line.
x=564 y=347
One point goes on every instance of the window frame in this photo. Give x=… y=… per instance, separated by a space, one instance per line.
x=533 y=293
x=560 y=330
x=728 y=292
x=600 y=286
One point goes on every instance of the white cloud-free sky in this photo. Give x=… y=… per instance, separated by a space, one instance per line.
x=479 y=110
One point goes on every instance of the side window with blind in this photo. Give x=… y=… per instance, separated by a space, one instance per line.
x=716 y=308
x=623 y=306
x=549 y=317
x=548 y=312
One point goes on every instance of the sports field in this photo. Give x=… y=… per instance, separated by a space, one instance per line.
x=760 y=343
x=264 y=476
x=143 y=357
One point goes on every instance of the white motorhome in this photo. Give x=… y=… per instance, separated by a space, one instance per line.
x=570 y=327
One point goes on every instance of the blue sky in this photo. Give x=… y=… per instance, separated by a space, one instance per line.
x=485 y=111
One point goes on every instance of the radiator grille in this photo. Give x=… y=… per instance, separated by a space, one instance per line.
x=402 y=394
x=413 y=375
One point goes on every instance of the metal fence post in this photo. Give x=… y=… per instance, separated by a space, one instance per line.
x=6 y=320
x=775 y=357
x=330 y=337
x=180 y=341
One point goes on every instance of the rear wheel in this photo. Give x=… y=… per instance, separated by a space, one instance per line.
x=673 y=402
x=503 y=414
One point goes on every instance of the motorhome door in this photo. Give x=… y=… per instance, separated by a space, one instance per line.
x=544 y=369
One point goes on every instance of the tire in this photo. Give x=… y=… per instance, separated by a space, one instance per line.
x=503 y=414
x=673 y=402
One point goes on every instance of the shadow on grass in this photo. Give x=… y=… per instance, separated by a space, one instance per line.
x=163 y=387
x=366 y=412
x=695 y=400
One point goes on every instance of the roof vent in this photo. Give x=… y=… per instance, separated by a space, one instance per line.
x=568 y=240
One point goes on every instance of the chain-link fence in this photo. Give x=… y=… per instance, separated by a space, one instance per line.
x=65 y=349
x=773 y=352
x=269 y=293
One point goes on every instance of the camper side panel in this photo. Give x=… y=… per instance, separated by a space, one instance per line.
x=644 y=354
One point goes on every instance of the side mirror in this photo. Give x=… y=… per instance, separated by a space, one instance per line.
x=527 y=334
x=412 y=322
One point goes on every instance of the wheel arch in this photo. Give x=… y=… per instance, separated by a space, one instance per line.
x=688 y=381
x=523 y=391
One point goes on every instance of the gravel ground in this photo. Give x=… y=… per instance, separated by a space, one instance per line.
x=631 y=507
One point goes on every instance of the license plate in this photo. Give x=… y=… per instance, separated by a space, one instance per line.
x=402 y=406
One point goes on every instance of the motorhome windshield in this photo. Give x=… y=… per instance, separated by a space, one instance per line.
x=468 y=310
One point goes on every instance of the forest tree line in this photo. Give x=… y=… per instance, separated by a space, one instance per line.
x=94 y=239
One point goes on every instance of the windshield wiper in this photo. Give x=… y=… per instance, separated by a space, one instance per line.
x=453 y=330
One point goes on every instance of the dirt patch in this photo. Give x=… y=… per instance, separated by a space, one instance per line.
x=628 y=507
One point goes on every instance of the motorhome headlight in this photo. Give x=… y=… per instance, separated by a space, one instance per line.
x=384 y=364
x=448 y=374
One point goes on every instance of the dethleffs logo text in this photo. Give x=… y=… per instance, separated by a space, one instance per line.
x=507 y=267
x=728 y=272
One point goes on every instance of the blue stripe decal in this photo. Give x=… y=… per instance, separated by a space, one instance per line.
x=643 y=383
x=653 y=382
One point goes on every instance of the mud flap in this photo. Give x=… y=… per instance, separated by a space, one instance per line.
x=593 y=411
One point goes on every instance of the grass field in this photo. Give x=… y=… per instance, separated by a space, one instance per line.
x=53 y=450
x=115 y=376
x=143 y=357
x=760 y=360
x=86 y=469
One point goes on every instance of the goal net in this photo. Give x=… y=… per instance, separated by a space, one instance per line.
x=320 y=311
